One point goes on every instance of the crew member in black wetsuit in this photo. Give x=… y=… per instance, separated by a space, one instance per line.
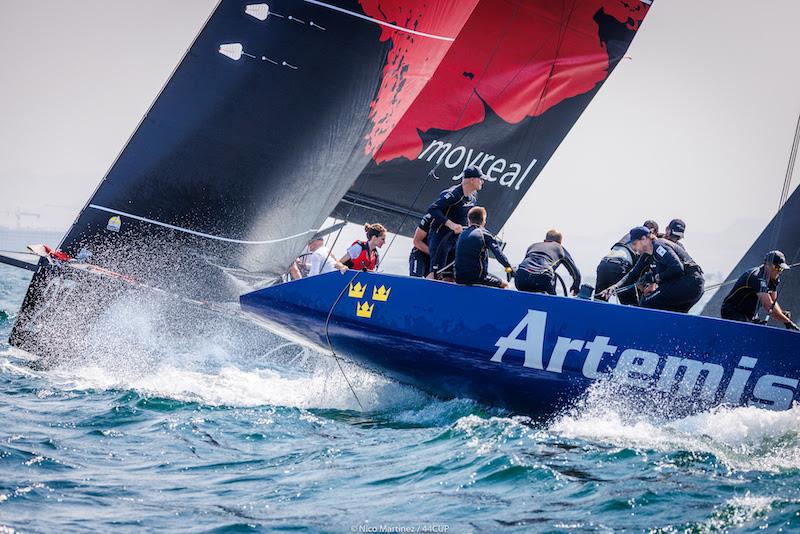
x=677 y=282
x=616 y=264
x=472 y=258
x=758 y=285
x=537 y=272
x=449 y=214
x=675 y=230
x=419 y=260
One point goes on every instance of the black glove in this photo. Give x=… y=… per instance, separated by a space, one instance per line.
x=509 y=274
x=790 y=325
x=649 y=278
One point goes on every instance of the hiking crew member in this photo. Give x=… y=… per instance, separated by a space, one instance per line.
x=419 y=260
x=758 y=285
x=616 y=264
x=536 y=273
x=363 y=255
x=316 y=259
x=675 y=230
x=472 y=258
x=676 y=283
x=449 y=214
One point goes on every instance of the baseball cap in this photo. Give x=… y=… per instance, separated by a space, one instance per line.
x=638 y=232
x=676 y=227
x=776 y=258
x=474 y=172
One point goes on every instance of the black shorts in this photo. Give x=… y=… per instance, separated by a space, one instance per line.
x=609 y=272
x=418 y=263
x=443 y=250
x=735 y=315
x=676 y=295
x=487 y=279
x=535 y=282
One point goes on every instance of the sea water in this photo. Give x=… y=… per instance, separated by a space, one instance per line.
x=228 y=430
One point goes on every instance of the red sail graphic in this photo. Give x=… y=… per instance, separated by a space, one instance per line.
x=413 y=57
x=521 y=58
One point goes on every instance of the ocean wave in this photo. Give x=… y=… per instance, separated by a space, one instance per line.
x=741 y=438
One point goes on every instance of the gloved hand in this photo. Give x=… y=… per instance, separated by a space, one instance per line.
x=649 y=277
x=509 y=274
x=791 y=326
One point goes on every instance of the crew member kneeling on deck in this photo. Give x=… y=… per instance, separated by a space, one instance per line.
x=537 y=272
x=363 y=255
x=472 y=258
x=677 y=282
x=759 y=284
x=616 y=264
x=419 y=261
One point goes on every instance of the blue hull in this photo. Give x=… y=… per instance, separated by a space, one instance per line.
x=533 y=354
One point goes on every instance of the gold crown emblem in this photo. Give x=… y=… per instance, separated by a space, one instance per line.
x=357 y=291
x=364 y=310
x=381 y=293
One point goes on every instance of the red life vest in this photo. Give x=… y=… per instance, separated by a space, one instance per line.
x=365 y=261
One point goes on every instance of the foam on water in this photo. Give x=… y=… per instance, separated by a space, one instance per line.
x=743 y=438
x=161 y=348
x=235 y=387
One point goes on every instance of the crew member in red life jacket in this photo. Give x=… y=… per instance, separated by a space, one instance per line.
x=363 y=255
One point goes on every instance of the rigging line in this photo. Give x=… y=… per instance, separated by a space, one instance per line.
x=705 y=288
x=330 y=249
x=328 y=237
x=201 y=234
x=787 y=181
x=378 y=21
x=790 y=169
x=328 y=338
x=455 y=127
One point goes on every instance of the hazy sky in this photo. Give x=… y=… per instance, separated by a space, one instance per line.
x=712 y=86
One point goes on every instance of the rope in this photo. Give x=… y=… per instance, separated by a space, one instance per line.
x=330 y=345
x=561 y=281
x=706 y=288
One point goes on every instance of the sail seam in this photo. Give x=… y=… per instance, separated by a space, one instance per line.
x=201 y=234
x=378 y=21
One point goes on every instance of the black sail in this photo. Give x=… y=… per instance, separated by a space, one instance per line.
x=249 y=146
x=781 y=234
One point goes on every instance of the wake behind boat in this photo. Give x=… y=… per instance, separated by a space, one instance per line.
x=533 y=353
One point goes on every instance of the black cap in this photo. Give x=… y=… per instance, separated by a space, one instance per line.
x=676 y=227
x=474 y=172
x=776 y=258
x=638 y=232
x=650 y=223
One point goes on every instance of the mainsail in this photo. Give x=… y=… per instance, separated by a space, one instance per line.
x=503 y=98
x=280 y=112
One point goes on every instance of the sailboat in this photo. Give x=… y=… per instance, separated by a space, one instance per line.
x=283 y=114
